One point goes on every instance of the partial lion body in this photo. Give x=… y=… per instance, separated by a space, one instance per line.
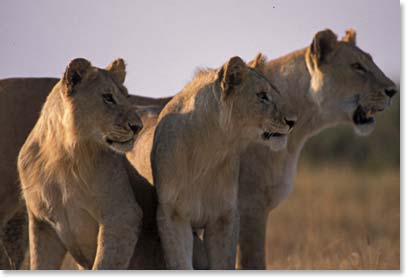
x=198 y=188
x=193 y=204
x=324 y=90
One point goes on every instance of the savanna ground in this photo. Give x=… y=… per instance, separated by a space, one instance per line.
x=338 y=218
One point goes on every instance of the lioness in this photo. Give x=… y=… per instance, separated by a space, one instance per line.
x=74 y=179
x=194 y=151
x=327 y=83
x=20 y=106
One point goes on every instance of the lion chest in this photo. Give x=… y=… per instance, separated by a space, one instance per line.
x=60 y=199
x=266 y=177
x=279 y=178
x=203 y=198
x=84 y=228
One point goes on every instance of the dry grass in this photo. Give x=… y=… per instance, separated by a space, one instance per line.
x=338 y=218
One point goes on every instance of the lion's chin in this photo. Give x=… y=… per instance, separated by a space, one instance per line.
x=276 y=141
x=364 y=129
x=120 y=146
x=363 y=122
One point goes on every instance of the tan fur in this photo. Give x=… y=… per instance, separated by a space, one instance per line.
x=194 y=150
x=350 y=37
x=77 y=190
x=325 y=87
x=22 y=100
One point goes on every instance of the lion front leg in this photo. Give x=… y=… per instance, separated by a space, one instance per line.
x=117 y=238
x=176 y=237
x=16 y=237
x=220 y=239
x=46 y=249
x=200 y=259
x=252 y=240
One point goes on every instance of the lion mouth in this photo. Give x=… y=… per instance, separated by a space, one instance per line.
x=271 y=135
x=275 y=140
x=363 y=117
x=110 y=141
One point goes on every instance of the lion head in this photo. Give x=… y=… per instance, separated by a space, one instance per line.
x=98 y=108
x=346 y=82
x=254 y=104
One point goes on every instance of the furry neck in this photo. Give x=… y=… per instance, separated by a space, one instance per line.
x=216 y=122
x=65 y=154
x=292 y=76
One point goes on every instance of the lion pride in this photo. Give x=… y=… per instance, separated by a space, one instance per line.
x=323 y=81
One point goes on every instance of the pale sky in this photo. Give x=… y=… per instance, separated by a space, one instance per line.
x=164 y=42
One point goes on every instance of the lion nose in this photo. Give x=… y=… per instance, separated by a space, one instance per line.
x=390 y=92
x=135 y=127
x=290 y=122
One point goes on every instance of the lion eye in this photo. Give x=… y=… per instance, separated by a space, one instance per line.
x=263 y=97
x=108 y=98
x=358 y=67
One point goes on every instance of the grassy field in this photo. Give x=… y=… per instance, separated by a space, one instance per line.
x=338 y=218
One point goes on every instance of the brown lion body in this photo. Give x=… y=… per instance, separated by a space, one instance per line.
x=19 y=110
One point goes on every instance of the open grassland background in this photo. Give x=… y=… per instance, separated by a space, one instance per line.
x=338 y=218
x=344 y=210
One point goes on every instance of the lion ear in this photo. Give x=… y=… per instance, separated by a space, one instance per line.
x=117 y=69
x=75 y=72
x=350 y=37
x=259 y=62
x=322 y=46
x=232 y=74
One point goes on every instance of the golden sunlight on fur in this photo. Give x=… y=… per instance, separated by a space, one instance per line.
x=217 y=114
x=73 y=174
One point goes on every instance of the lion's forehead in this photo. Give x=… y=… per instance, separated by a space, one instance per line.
x=255 y=82
x=354 y=54
x=348 y=55
x=102 y=81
